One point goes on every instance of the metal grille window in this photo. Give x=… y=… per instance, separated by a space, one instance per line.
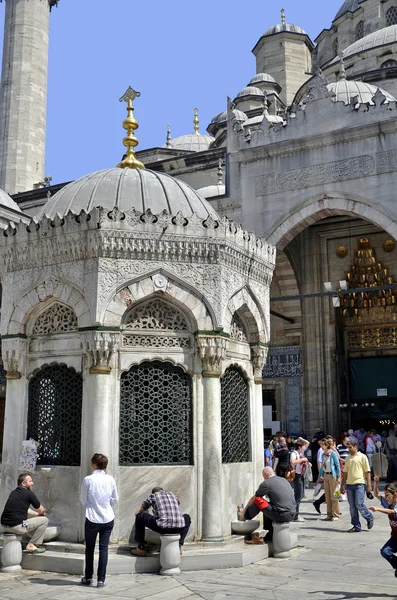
x=234 y=411
x=58 y=318
x=360 y=30
x=155 y=415
x=54 y=414
x=391 y=16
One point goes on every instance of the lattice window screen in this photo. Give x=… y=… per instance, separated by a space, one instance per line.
x=235 y=418
x=58 y=318
x=391 y=16
x=360 y=30
x=54 y=414
x=238 y=330
x=156 y=415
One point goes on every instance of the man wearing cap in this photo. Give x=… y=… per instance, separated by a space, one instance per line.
x=357 y=478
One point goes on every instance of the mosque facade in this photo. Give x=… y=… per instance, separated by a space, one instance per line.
x=205 y=292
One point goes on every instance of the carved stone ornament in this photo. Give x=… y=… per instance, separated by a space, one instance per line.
x=160 y=282
x=258 y=357
x=211 y=349
x=99 y=347
x=14 y=355
x=318 y=87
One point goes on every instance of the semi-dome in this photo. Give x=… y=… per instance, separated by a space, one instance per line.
x=346 y=89
x=348 y=6
x=195 y=142
x=249 y=91
x=140 y=189
x=382 y=37
x=285 y=27
x=261 y=78
x=8 y=202
x=211 y=191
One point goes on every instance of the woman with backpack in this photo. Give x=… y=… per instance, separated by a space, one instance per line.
x=298 y=462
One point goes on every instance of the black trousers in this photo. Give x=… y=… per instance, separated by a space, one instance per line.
x=146 y=520
x=91 y=532
x=270 y=516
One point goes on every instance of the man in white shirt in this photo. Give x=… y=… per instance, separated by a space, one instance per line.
x=98 y=495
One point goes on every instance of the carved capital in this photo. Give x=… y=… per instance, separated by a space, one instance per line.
x=258 y=358
x=14 y=356
x=211 y=349
x=99 y=348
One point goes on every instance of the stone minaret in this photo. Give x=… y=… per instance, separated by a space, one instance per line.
x=23 y=94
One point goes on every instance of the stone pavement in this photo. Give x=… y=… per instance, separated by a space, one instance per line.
x=333 y=565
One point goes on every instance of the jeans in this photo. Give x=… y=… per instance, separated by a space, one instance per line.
x=91 y=532
x=146 y=520
x=299 y=492
x=388 y=551
x=355 y=497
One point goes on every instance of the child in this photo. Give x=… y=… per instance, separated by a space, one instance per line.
x=389 y=508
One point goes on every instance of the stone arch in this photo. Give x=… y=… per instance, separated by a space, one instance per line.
x=243 y=303
x=33 y=300
x=285 y=283
x=163 y=285
x=324 y=206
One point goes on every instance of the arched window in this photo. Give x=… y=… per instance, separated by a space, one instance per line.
x=360 y=30
x=57 y=318
x=156 y=415
x=335 y=47
x=234 y=416
x=389 y=64
x=391 y=16
x=156 y=324
x=54 y=414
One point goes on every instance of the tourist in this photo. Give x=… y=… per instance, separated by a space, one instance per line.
x=267 y=455
x=298 y=462
x=370 y=447
x=314 y=447
x=391 y=453
x=319 y=461
x=360 y=434
x=330 y=471
x=281 y=455
x=389 y=508
x=357 y=476
x=166 y=518
x=20 y=519
x=342 y=448
x=98 y=495
x=281 y=507
x=290 y=443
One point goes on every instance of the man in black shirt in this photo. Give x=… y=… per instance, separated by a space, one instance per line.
x=17 y=510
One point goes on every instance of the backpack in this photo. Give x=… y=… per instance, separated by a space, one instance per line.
x=290 y=472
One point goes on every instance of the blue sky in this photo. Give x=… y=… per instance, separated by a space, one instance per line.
x=178 y=54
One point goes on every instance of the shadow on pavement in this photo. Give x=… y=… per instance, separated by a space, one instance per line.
x=354 y=595
x=57 y=582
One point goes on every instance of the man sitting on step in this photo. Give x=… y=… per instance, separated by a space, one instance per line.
x=166 y=518
x=281 y=509
x=20 y=519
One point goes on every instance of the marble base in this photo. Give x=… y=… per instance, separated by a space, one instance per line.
x=11 y=555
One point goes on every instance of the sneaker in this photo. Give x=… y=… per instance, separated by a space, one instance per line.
x=85 y=581
x=370 y=523
x=354 y=530
x=299 y=519
x=317 y=507
x=101 y=584
x=138 y=552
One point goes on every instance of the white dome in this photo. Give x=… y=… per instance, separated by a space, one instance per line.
x=210 y=191
x=8 y=202
x=249 y=91
x=140 y=189
x=262 y=78
x=288 y=27
x=382 y=37
x=222 y=117
x=345 y=89
x=195 y=142
x=348 y=6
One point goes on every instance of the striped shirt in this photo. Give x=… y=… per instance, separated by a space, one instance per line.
x=343 y=451
x=165 y=508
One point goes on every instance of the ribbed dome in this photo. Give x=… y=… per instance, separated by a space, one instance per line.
x=128 y=188
x=8 y=202
x=348 y=6
x=195 y=142
x=346 y=89
x=261 y=77
x=281 y=27
x=249 y=91
x=222 y=117
x=382 y=37
x=210 y=191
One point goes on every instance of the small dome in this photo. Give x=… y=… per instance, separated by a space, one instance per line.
x=348 y=6
x=210 y=191
x=195 y=142
x=127 y=189
x=222 y=117
x=382 y=37
x=345 y=89
x=281 y=27
x=8 y=202
x=249 y=91
x=262 y=77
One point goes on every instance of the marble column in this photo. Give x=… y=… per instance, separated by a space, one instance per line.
x=211 y=350
x=258 y=357
x=14 y=359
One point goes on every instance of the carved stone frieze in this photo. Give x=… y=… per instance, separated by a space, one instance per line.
x=258 y=357
x=14 y=356
x=211 y=349
x=99 y=348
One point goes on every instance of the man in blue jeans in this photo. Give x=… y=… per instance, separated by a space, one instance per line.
x=357 y=478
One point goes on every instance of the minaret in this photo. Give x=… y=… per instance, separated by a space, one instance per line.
x=23 y=94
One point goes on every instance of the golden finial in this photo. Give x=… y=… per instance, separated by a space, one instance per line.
x=196 y=121
x=130 y=125
x=283 y=16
